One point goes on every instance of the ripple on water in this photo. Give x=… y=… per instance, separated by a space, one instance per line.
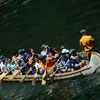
x=26 y=2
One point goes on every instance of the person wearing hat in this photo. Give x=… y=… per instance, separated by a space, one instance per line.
x=87 y=43
x=61 y=48
x=22 y=54
x=44 y=50
x=76 y=59
x=53 y=53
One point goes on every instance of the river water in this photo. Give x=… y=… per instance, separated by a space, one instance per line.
x=31 y=23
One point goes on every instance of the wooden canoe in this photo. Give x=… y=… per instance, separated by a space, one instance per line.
x=91 y=68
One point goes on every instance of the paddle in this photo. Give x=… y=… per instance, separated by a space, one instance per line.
x=47 y=75
x=43 y=82
x=4 y=74
x=16 y=72
x=22 y=79
x=34 y=79
x=52 y=77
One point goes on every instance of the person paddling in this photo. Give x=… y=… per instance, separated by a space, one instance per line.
x=87 y=43
x=49 y=61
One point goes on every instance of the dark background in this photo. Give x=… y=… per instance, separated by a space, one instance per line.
x=31 y=23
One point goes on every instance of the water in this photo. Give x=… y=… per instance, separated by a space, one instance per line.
x=30 y=23
x=77 y=89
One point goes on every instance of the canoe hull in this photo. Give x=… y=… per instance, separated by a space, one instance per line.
x=91 y=68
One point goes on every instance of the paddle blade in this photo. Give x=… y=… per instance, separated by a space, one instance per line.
x=43 y=82
x=13 y=75
x=0 y=82
x=46 y=76
x=51 y=79
x=2 y=75
x=22 y=79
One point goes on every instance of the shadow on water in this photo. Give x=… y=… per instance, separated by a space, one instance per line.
x=87 y=88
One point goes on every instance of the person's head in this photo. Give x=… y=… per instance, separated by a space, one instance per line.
x=9 y=60
x=31 y=50
x=65 y=57
x=15 y=53
x=2 y=58
x=43 y=59
x=83 y=32
x=43 y=47
x=65 y=51
x=18 y=62
x=21 y=51
x=36 y=59
x=62 y=47
x=72 y=52
x=53 y=50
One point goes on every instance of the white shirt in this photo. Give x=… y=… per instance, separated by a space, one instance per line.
x=2 y=66
x=37 y=65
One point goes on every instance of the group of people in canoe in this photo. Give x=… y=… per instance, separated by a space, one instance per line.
x=69 y=61
x=48 y=60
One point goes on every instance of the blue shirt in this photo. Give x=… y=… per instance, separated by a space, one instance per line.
x=68 y=62
x=23 y=64
x=43 y=53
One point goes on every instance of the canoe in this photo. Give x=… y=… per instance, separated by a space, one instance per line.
x=90 y=68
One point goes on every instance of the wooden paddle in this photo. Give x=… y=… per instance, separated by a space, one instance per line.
x=4 y=74
x=22 y=79
x=43 y=82
x=52 y=77
x=34 y=79
x=47 y=75
x=16 y=72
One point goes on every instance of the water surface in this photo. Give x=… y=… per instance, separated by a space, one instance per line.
x=30 y=23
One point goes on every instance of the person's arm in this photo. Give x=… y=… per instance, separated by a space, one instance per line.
x=91 y=40
x=81 y=45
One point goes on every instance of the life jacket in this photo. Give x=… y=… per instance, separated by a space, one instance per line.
x=49 y=64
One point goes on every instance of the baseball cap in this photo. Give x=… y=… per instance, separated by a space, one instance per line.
x=65 y=51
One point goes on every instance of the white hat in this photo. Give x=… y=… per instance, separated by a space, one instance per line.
x=65 y=51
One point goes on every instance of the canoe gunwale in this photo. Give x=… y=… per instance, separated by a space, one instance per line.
x=58 y=76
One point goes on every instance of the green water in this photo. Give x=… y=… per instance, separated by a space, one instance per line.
x=75 y=89
x=30 y=23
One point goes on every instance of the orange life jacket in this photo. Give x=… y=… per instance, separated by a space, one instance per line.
x=49 y=64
